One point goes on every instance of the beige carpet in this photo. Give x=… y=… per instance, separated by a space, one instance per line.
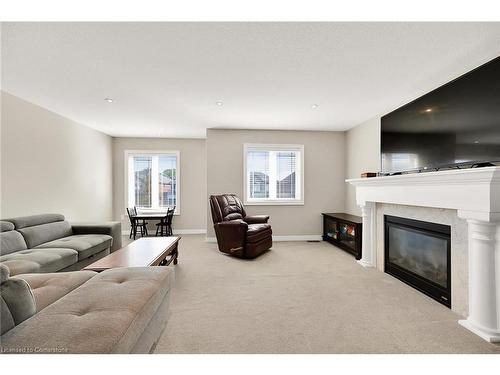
x=302 y=298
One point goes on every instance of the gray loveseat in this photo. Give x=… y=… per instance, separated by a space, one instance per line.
x=49 y=243
x=121 y=310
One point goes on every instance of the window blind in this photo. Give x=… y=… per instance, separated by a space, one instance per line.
x=258 y=174
x=273 y=174
x=286 y=173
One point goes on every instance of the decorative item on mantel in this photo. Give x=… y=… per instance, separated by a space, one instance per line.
x=368 y=174
x=344 y=231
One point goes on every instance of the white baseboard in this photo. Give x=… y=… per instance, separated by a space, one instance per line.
x=190 y=231
x=176 y=231
x=306 y=237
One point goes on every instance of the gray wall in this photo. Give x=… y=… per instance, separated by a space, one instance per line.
x=362 y=155
x=324 y=175
x=52 y=164
x=193 y=192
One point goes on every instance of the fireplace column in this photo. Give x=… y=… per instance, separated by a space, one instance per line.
x=369 y=246
x=484 y=275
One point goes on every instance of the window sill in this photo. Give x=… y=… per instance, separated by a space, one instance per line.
x=274 y=203
x=176 y=213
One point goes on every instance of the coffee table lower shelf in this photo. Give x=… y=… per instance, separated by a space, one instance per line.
x=144 y=252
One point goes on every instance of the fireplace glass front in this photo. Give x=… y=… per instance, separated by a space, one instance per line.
x=418 y=253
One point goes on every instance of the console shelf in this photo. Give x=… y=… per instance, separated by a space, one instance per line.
x=344 y=231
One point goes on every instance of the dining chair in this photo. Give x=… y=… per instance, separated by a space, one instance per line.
x=169 y=218
x=133 y=222
x=143 y=224
x=166 y=222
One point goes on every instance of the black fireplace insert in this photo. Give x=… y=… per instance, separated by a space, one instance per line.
x=418 y=253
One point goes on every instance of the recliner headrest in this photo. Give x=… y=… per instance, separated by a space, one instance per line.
x=226 y=207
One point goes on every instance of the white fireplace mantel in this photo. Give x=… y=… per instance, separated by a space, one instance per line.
x=475 y=194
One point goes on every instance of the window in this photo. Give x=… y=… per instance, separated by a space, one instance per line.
x=274 y=174
x=152 y=180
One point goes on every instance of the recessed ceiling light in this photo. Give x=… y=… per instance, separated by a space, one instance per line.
x=220 y=104
x=109 y=100
x=315 y=106
x=428 y=110
x=476 y=142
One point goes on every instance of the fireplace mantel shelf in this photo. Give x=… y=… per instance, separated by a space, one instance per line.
x=456 y=176
x=475 y=194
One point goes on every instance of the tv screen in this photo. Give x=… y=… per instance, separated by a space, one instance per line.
x=456 y=124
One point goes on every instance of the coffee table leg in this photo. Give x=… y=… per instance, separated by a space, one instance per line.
x=176 y=253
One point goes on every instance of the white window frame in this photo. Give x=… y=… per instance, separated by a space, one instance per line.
x=300 y=173
x=129 y=175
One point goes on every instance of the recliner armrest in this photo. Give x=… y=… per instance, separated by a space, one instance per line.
x=256 y=219
x=111 y=228
x=231 y=236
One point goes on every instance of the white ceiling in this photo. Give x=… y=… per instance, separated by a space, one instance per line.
x=166 y=78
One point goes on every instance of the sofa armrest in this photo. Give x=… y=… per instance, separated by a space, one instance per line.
x=256 y=219
x=231 y=236
x=111 y=228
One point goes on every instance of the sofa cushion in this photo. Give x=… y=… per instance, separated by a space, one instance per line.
x=16 y=302
x=39 y=260
x=49 y=287
x=85 y=244
x=33 y=220
x=258 y=232
x=43 y=233
x=11 y=241
x=4 y=273
x=6 y=226
x=107 y=314
x=111 y=228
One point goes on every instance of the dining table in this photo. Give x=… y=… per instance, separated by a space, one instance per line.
x=148 y=216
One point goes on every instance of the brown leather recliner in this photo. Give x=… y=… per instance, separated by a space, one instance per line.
x=238 y=234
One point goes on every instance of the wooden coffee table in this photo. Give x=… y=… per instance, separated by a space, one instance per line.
x=152 y=251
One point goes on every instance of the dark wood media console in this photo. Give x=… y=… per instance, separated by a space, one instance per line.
x=344 y=231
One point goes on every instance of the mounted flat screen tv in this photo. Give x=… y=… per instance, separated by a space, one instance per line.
x=457 y=124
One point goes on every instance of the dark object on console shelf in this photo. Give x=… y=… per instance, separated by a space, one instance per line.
x=368 y=174
x=483 y=164
x=238 y=234
x=344 y=231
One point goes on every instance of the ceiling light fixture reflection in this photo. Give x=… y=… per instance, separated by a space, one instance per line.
x=109 y=100
x=220 y=104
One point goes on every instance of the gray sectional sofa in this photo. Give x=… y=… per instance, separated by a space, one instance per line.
x=42 y=310
x=121 y=310
x=49 y=243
